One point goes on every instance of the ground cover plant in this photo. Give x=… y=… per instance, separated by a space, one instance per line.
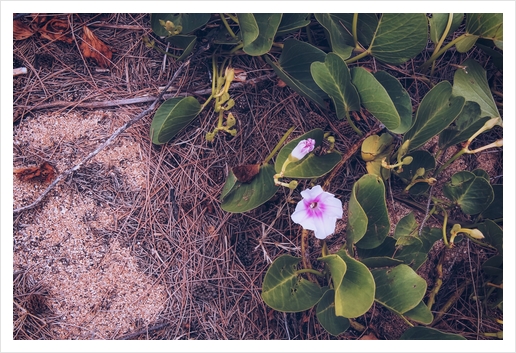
x=310 y=176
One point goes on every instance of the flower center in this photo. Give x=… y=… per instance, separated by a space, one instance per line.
x=313 y=205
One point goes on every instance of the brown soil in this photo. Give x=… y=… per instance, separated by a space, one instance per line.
x=134 y=245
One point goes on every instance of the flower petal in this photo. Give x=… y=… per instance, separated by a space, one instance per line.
x=311 y=194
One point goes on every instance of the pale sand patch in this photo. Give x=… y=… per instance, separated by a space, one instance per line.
x=96 y=289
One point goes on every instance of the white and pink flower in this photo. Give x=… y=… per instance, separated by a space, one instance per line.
x=318 y=211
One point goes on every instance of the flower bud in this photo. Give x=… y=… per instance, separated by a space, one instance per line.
x=302 y=149
x=292 y=185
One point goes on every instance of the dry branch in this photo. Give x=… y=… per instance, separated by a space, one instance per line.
x=114 y=135
x=138 y=100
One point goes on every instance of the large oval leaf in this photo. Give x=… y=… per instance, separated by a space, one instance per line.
x=356 y=292
x=420 y=314
x=173 y=116
x=400 y=289
x=325 y=312
x=471 y=83
x=486 y=25
x=467 y=123
x=437 y=110
x=369 y=192
x=428 y=333
x=285 y=290
x=384 y=97
x=294 y=69
x=311 y=166
x=292 y=21
x=339 y=38
x=334 y=78
x=258 y=31
x=399 y=37
x=241 y=197
x=495 y=209
x=472 y=193
x=353 y=283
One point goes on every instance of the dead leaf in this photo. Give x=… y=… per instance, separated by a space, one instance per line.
x=38 y=20
x=246 y=173
x=56 y=29
x=92 y=47
x=21 y=30
x=368 y=337
x=45 y=173
x=281 y=83
x=240 y=75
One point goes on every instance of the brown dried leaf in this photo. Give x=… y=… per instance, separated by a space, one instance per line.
x=240 y=75
x=45 y=173
x=21 y=30
x=368 y=337
x=92 y=47
x=246 y=173
x=281 y=83
x=56 y=29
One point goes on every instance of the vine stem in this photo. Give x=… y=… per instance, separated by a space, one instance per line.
x=441 y=40
x=120 y=130
x=278 y=145
x=440 y=52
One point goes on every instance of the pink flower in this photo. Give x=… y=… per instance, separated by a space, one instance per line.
x=318 y=211
x=302 y=149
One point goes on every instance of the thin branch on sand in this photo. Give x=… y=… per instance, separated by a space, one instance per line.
x=114 y=135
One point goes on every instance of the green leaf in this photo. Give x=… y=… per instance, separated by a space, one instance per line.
x=285 y=290
x=242 y=197
x=375 y=146
x=406 y=227
x=333 y=77
x=466 y=43
x=437 y=110
x=340 y=40
x=420 y=159
x=311 y=166
x=385 y=249
x=493 y=234
x=495 y=209
x=173 y=116
x=325 y=312
x=292 y=21
x=428 y=333
x=356 y=227
x=189 y=21
x=416 y=254
x=399 y=37
x=377 y=262
x=420 y=314
x=467 y=123
x=353 y=283
x=373 y=150
x=485 y=25
x=366 y=25
x=472 y=84
x=369 y=192
x=185 y=42
x=438 y=23
x=494 y=267
x=473 y=194
x=258 y=31
x=384 y=97
x=487 y=47
x=294 y=69
x=400 y=289
x=356 y=292
x=229 y=186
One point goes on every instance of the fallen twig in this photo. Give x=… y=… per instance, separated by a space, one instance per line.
x=138 y=100
x=113 y=136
